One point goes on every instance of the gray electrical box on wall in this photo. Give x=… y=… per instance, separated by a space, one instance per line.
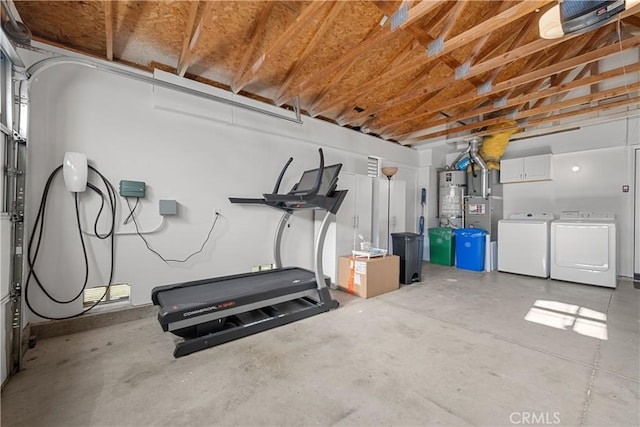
x=168 y=207
x=132 y=188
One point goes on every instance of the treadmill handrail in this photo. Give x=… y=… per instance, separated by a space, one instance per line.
x=279 y=180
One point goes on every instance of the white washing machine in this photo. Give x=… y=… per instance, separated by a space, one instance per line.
x=523 y=244
x=583 y=248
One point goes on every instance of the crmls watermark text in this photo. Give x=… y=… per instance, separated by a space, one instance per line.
x=532 y=417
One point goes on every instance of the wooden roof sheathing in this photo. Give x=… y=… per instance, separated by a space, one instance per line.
x=341 y=57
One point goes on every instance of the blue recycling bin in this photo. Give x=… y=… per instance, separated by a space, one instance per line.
x=470 y=247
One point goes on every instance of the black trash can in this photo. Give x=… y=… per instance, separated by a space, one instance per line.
x=408 y=246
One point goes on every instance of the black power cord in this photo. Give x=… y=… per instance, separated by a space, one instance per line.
x=32 y=254
x=146 y=242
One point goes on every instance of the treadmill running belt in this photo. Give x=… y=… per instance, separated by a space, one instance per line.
x=240 y=289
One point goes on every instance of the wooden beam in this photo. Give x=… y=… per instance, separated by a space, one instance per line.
x=187 y=33
x=255 y=37
x=185 y=60
x=498 y=21
x=108 y=25
x=305 y=16
x=317 y=100
x=563 y=88
x=516 y=42
x=455 y=13
x=336 y=8
x=556 y=117
x=477 y=49
x=398 y=59
x=523 y=51
x=420 y=10
x=379 y=35
x=476 y=32
x=573 y=102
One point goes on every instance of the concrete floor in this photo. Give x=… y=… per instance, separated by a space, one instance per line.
x=453 y=350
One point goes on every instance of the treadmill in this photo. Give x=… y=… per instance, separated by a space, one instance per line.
x=213 y=311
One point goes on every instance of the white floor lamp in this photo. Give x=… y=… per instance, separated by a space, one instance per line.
x=389 y=172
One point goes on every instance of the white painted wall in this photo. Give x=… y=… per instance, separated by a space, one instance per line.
x=184 y=148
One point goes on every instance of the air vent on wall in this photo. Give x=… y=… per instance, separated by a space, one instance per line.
x=373 y=167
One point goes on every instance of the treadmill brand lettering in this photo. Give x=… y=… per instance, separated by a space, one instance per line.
x=210 y=308
x=200 y=311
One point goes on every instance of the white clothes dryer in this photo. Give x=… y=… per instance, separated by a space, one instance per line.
x=583 y=248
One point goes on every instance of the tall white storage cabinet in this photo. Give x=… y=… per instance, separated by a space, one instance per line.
x=353 y=218
x=397 y=209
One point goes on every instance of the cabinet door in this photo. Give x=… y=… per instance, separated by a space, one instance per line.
x=364 y=198
x=346 y=216
x=511 y=170
x=537 y=168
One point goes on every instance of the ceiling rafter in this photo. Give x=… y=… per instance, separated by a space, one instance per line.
x=352 y=115
x=568 y=64
x=379 y=34
x=186 y=56
x=108 y=27
x=554 y=117
x=589 y=44
x=480 y=44
x=188 y=32
x=336 y=8
x=455 y=13
x=560 y=96
x=498 y=21
x=516 y=42
x=573 y=102
x=502 y=6
x=317 y=100
x=305 y=16
x=421 y=38
x=411 y=86
x=400 y=58
x=354 y=96
x=417 y=12
x=510 y=56
x=454 y=43
x=480 y=68
x=258 y=28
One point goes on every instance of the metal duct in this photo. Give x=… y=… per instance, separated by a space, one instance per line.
x=460 y=156
x=474 y=144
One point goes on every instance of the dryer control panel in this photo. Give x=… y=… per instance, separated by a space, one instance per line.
x=587 y=216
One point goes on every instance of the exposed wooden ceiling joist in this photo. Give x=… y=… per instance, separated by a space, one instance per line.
x=587 y=100
x=305 y=16
x=336 y=9
x=538 y=74
x=108 y=25
x=186 y=55
x=468 y=59
x=255 y=36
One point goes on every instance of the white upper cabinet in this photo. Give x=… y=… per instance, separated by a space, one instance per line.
x=534 y=168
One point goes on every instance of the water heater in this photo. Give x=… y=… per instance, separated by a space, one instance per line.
x=452 y=189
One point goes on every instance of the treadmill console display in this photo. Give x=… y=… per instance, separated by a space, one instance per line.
x=308 y=180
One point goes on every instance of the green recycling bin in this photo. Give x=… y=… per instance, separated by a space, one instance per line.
x=442 y=246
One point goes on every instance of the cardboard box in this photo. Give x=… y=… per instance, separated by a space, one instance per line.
x=371 y=276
